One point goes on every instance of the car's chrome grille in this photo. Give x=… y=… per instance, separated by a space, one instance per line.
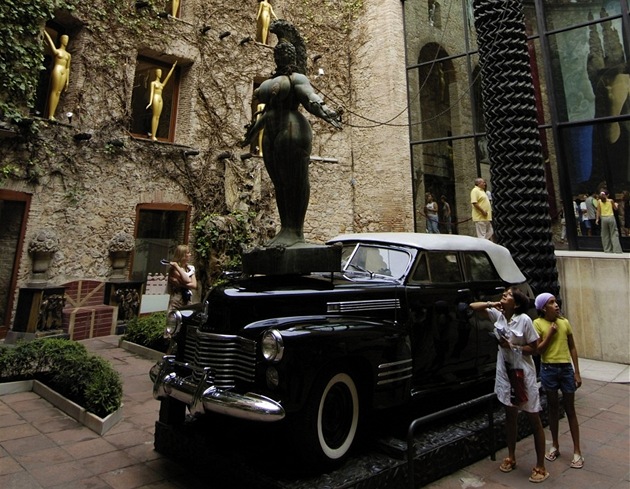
x=231 y=358
x=370 y=305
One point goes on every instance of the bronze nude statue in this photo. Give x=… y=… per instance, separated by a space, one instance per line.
x=287 y=138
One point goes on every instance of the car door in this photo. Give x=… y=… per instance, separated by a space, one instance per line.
x=444 y=350
x=486 y=285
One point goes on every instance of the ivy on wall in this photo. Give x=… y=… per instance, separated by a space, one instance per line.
x=21 y=53
x=113 y=33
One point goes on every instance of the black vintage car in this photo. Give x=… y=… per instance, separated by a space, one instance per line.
x=316 y=352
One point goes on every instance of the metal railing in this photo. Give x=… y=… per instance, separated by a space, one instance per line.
x=489 y=398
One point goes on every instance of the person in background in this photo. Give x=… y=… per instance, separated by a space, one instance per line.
x=559 y=370
x=181 y=278
x=431 y=211
x=625 y=210
x=563 y=225
x=578 y=216
x=446 y=214
x=591 y=213
x=584 y=220
x=481 y=210
x=518 y=341
x=608 y=225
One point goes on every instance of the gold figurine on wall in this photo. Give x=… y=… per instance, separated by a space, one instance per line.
x=263 y=19
x=60 y=75
x=259 y=110
x=174 y=8
x=155 y=98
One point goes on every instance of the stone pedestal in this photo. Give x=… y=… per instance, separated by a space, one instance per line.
x=295 y=260
x=39 y=313
x=41 y=263
x=119 y=264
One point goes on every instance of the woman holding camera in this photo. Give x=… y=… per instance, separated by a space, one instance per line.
x=181 y=278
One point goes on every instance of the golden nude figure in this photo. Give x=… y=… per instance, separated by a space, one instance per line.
x=155 y=98
x=60 y=75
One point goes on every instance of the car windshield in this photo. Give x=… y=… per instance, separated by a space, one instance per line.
x=375 y=260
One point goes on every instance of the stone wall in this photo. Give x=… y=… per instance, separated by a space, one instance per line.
x=88 y=190
x=380 y=160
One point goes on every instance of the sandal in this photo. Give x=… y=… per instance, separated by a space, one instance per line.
x=577 y=462
x=508 y=465
x=538 y=475
x=552 y=454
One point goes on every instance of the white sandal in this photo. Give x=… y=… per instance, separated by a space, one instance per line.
x=552 y=454
x=577 y=462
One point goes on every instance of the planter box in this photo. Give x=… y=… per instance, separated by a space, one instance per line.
x=143 y=351
x=90 y=420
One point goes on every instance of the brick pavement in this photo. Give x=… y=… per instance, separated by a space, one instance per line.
x=41 y=447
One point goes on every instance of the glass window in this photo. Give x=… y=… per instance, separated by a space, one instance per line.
x=148 y=71
x=444 y=267
x=158 y=231
x=560 y=14
x=421 y=273
x=346 y=253
x=382 y=261
x=598 y=155
x=589 y=72
x=480 y=267
x=470 y=25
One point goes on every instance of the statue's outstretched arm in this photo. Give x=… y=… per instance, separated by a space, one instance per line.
x=316 y=106
x=50 y=41
x=169 y=74
x=313 y=102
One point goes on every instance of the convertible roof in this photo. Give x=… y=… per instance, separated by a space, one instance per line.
x=500 y=256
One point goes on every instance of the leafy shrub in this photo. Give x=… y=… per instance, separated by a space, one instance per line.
x=67 y=367
x=90 y=381
x=148 y=331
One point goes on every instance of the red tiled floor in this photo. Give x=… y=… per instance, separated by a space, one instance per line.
x=40 y=447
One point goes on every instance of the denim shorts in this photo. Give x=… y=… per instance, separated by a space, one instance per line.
x=554 y=376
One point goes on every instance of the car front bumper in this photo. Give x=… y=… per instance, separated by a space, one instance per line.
x=174 y=379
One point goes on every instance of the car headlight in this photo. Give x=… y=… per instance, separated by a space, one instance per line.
x=173 y=323
x=272 y=345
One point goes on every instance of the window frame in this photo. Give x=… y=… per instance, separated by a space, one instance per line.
x=164 y=207
x=139 y=101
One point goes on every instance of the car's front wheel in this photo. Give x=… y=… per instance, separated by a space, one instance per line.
x=331 y=419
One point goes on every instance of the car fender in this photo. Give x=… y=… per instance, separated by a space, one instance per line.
x=378 y=353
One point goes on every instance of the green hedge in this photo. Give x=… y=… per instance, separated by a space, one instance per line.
x=148 y=331
x=67 y=367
